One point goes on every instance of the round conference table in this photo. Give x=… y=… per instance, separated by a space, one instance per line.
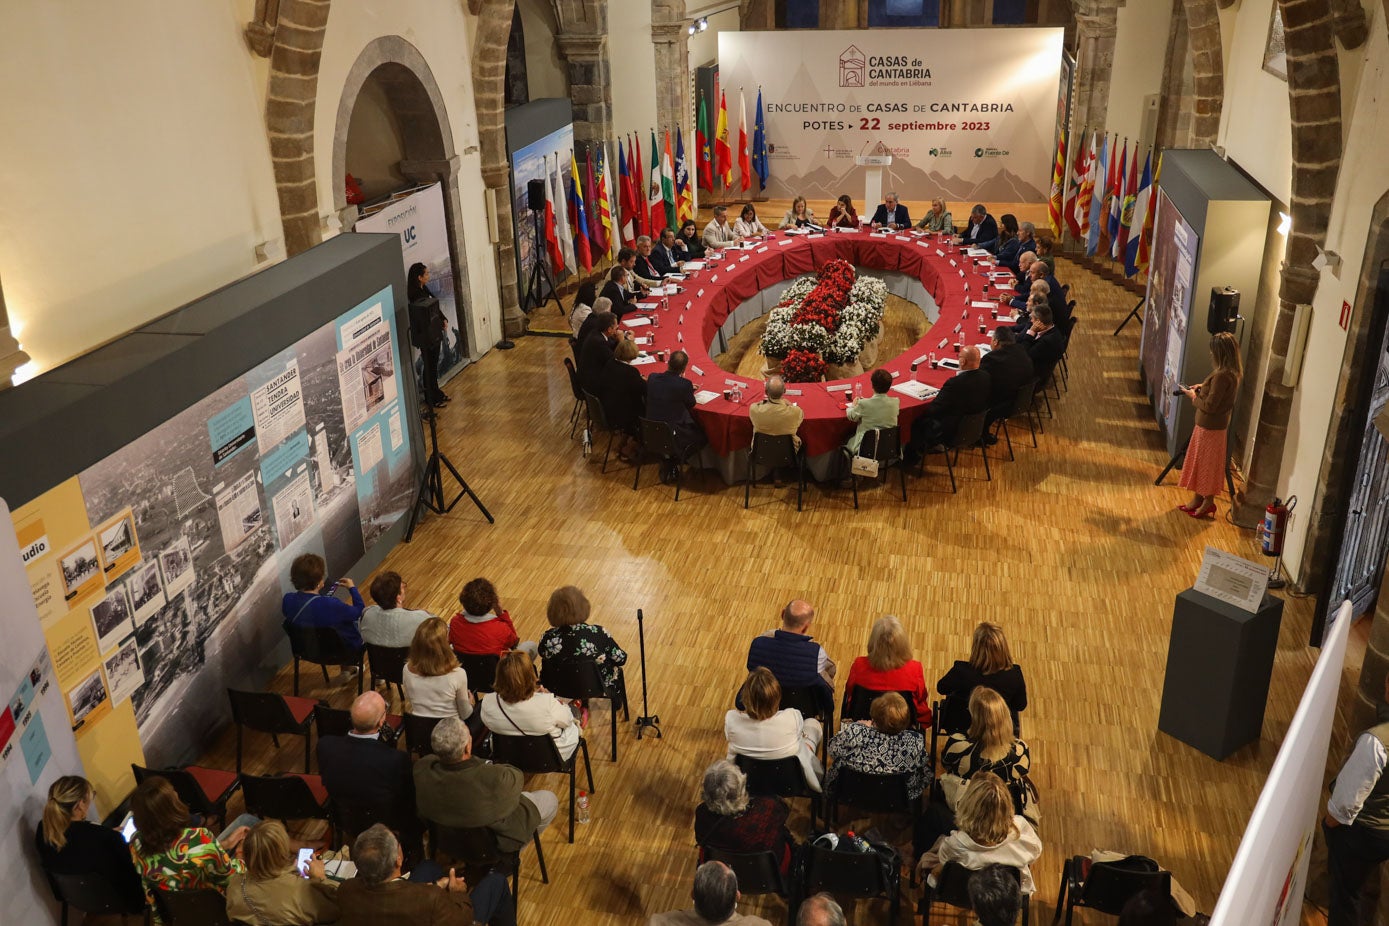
x=744 y=284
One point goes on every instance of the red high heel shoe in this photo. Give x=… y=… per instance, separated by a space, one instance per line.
x=1205 y=513
x=1185 y=509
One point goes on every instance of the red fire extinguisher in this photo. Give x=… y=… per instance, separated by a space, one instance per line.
x=1275 y=524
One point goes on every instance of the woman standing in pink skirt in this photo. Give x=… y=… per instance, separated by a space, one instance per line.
x=1204 y=468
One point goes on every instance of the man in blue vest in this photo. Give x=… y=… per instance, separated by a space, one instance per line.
x=794 y=658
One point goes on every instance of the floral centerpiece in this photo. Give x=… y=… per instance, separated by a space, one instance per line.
x=836 y=316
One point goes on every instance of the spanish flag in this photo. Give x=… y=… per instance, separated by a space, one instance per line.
x=723 y=154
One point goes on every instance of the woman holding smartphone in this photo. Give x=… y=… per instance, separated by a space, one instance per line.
x=1203 y=471
x=273 y=889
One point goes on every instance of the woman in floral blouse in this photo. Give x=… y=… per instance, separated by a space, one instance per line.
x=885 y=745
x=571 y=635
x=169 y=854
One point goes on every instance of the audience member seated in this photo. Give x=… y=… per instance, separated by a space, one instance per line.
x=774 y=415
x=647 y=275
x=368 y=775
x=820 y=910
x=765 y=730
x=715 y=896
x=169 y=854
x=688 y=243
x=965 y=393
x=994 y=896
x=1009 y=245
x=1009 y=368
x=520 y=707
x=891 y=213
x=618 y=289
x=455 y=789
x=889 y=666
x=799 y=215
x=69 y=844
x=794 y=657
x=990 y=664
x=583 y=305
x=938 y=219
x=748 y=224
x=990 y=746
x=484 y=627
x=842 y=214
x=435 y=684
x=885 y=745
x=718 y=233
x=878 y=410
x=664 y=259
x=596 y=350
x=600 y=305
x=430 y=896
x=982 y=230
x=622 y=391
x=273 y=890
x=309 y=606
x=987 y=833
x=388 y=622
x=670 y=397
x=1043 y=342
x=730 y=819
x=571 y=636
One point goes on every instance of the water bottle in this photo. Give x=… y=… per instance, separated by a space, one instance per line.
x=932 y=358
x=854 y=843
x=582 y=810
x=858 y=391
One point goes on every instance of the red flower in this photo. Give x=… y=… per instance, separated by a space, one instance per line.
x=803 y=366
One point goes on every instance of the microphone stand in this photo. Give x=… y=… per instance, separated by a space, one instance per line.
x=646 y=720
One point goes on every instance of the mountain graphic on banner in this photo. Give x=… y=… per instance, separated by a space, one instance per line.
x=912 y=182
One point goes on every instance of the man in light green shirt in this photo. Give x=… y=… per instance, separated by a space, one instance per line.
x=878 y=410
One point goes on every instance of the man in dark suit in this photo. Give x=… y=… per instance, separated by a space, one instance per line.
x=616 y=289
x=645 y=272
x=1043 y=342
x=982 y=231
x=891 y=214
x=1009 y=367
x=670 y=398
x=663 y=258
x=366 y=777
x=965 y=393
x=596 y=350
x=1056 y=298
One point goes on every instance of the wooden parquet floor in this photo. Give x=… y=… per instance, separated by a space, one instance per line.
x=1071 y=548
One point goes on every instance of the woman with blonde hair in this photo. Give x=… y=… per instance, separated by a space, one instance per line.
x=987 y=833
x=1203 y=471
x=799 y=215
x=889 y=666
x=69 y=844
x=885 y=745
x=937 y=219
x=518 y=706
x=435 y=684
x=763 y=730
x=990 y=664
x=272 y=892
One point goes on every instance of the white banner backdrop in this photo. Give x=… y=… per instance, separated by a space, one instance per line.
x=968 y=115
x=1269 y=874
x=418 y=218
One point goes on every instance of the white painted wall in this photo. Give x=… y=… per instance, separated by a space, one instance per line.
x=1255 y=126
x=1139 y=46
x=546 y=74
x=632 y=67
x=704 y=46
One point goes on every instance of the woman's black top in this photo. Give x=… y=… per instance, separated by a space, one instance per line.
x=96 y=850
x=963 y=678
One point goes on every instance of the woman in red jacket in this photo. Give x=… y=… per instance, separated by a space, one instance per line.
x=889 y=666
x=483 y=627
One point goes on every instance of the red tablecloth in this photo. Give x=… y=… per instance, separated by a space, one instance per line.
x=692 y=321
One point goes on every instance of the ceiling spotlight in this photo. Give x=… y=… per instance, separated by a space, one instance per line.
x=702 y=23
x=691 y=29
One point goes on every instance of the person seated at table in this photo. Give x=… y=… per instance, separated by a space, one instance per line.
x=937 y=219
x=799 y=215
x=988 y=833
x=590 y=324
x=518 y=706
x=878 y=410
x=1024 y=305
x=729 y=819
x=1021 y=270
x=991 y=665
x=1027 y=244
x=718 y=233
x=891 y=213
x=583 y=305
x=764 y=730
x=664 y=259
x=622 y=391
x=572 y=636
x=627 y=259
x=616 y=292
x=965 y=393
x=774 y=415
x=792 y=654
x=435 y=684
x=748 y=224
x=842 y=214
x=1008 y=242
x=885 y=745
x=1009 y=368
x=484 y=627
x=670 y=397
x=169 y=854
x=69 y=844
x=1056 y=296
x=889 y=666
x=596 y=350
x=1045 y=249
x=1044 y=342
x=982 y=230
x=309 y=606
x=646 y=274
x=688 y=244
x=272 y=889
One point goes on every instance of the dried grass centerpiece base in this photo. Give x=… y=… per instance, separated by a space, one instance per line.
x=837 y=316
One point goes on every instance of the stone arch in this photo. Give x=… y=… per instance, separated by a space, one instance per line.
x=426 y=138
x=1207 y=70
x=297 y=27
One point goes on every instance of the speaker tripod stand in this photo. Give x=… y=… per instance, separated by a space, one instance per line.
x=539 y=274
x=431 y=491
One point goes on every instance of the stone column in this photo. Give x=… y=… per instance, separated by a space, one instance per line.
x=1207 y=70
x=1097 y=22
x=670 y=34
x=761 y=14
x=292 y=95
x=590 y=86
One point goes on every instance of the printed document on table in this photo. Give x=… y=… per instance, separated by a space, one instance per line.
x=705 y=396
x=1231 y=579
x=915 y=389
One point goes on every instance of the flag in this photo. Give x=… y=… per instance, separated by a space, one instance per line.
x=1116 y=197
x=1070 y=209
x=684 y=196
x=704 y=151
x=551 y=232
x=759 y=144
x=667 y=188
x=1098 y=175
x=627 y=209
x=1126 y=209
x=639 y=187
x=577 y=218
x=744 y=164
x=605 y=213
x=597 y=240
x=723 y=155
x=655 y=204
x=1138 y=214
x=1058 y=185
x=566 y=237
x=1145 y=244
x=1085 y=194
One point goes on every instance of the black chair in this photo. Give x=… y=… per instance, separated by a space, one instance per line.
x=1023 y=404
x=388 y=664
x=476 y=848
x=204 y=790
x=538 y=755
x=287 y=797
x=418 y=731
x=758 y=872
x=323 y=647
x=812 y=701
x=968 y=433
x=871 y=793
x=1107 y=886
x=952 y=889
x=851 y=874
x=658 y=440
x=202 y=907
x=772 y=451
x=337 y=721
x=859 y=705
x=598 y=421
x=578 y=398
x=778 y=778
x=1070 y=327
x=885 y=446
x=1046 y=376
x=267 y=712
x=481 y=670
x=92 y=894
x=578 y=679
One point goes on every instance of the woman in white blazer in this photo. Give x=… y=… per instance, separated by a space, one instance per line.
x=761 y=731
x=520 y=707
